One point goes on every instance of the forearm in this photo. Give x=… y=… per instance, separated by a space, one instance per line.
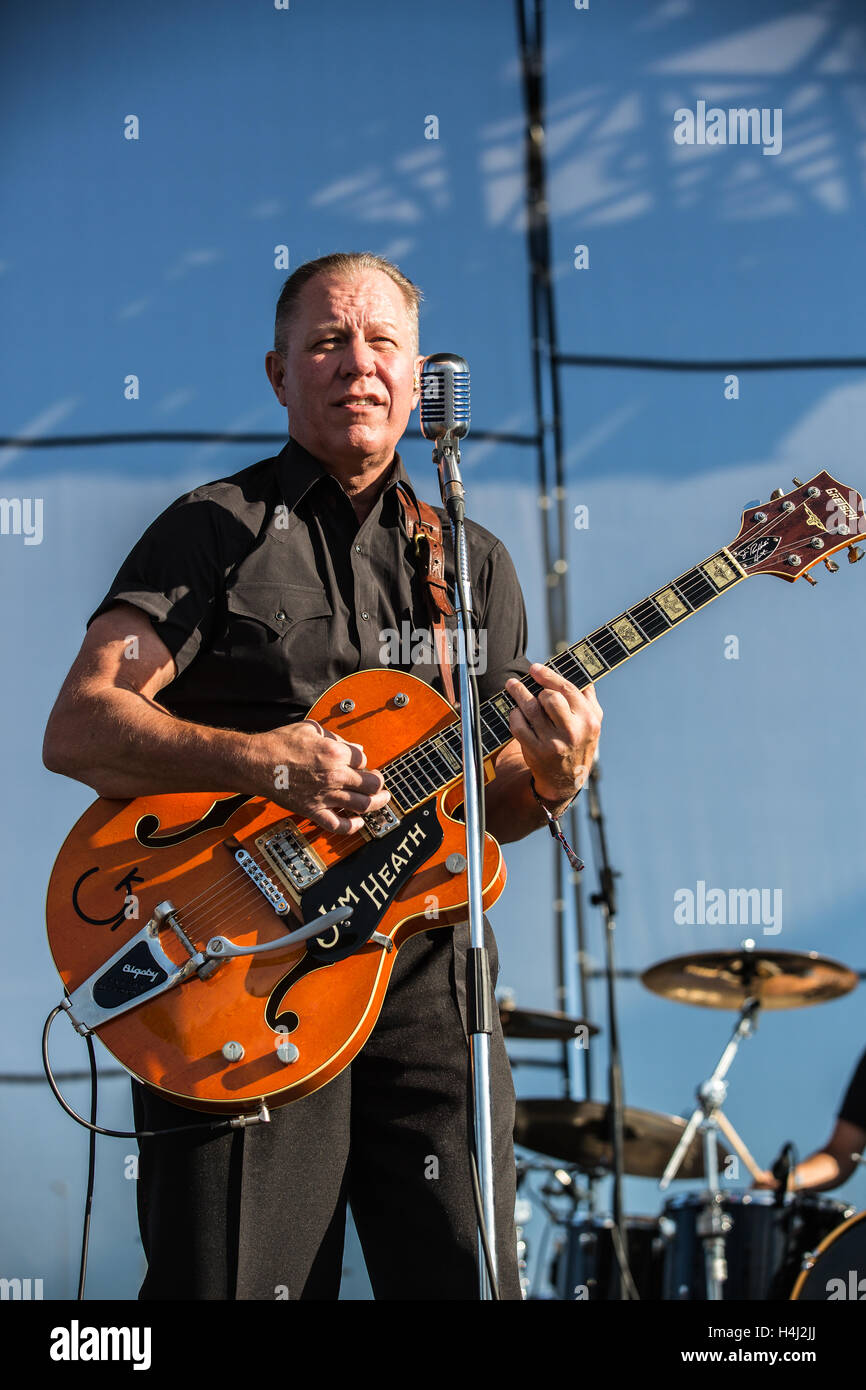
x=123 y=744
x=821 y=1170
x=511 y=810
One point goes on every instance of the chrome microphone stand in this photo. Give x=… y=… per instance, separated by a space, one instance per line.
x=479 y=994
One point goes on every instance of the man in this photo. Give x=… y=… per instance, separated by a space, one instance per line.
x=833 y=1164
x=247 y=598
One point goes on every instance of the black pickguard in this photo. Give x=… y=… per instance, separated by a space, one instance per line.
x=361 y=879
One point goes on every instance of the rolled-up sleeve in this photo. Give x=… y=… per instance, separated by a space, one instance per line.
x=176 y=572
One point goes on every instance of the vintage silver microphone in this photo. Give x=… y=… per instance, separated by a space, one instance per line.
x=445 y=416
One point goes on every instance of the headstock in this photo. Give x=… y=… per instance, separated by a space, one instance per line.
x=796 y=530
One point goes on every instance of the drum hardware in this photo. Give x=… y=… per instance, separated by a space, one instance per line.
x=713 y=1225
x=836 y=1270
x=578 y=1132
x=748 y=980
x=766 y=1243
x=542 y=1025
x=565 y=1186
x=589 y=1268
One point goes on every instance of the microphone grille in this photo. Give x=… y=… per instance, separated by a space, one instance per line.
x=445 y=402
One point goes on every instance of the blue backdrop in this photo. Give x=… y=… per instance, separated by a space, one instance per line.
x=309 y=128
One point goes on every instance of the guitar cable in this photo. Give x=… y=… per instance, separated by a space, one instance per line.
x=214 y=1126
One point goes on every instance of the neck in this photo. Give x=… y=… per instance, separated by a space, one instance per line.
x=361 y=479
x=362 y=489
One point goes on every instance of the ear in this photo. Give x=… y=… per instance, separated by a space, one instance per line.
x=416 y=394
x=276 y=369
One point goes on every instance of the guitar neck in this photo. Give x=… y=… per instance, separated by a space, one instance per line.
x=423 y=770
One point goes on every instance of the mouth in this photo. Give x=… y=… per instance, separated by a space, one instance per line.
x=358 y=403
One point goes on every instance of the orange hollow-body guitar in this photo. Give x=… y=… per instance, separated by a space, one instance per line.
x=297 y=1015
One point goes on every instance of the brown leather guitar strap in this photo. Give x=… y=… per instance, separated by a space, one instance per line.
x=425 y=533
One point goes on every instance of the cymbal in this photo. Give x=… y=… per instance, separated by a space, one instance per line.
x=578 y=1131
x=725 y=979
x=538 y=1023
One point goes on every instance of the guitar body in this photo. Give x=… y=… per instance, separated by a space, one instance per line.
x=323 y=996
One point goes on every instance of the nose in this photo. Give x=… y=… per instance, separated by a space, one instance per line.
x=357 y=358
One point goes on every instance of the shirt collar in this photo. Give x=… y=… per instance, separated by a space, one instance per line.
x=299 y=471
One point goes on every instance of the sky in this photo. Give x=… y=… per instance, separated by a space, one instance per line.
x=307 y=129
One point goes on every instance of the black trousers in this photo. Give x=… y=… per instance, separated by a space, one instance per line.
x=260 y=1213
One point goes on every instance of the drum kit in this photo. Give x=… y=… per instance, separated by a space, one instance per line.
x=713 y=1244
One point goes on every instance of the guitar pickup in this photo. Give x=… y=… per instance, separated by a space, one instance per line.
x=289 y=853
x=381 y=823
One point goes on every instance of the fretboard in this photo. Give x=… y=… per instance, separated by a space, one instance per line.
x=422 y=771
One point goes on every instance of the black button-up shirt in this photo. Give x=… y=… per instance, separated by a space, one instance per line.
x=266 y=590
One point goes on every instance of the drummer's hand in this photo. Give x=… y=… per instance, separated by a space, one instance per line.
x=767 y=1182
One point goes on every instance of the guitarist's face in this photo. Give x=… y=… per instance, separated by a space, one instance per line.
x=348 y=379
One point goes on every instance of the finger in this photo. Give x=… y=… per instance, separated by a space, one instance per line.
x=355 y=755
x=522 y=730
x=550 y=679
x=356 y=802
x=528 y=706
x=346 y=778
x=589 y=693
x=335 y=824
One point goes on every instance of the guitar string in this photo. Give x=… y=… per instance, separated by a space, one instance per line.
x=413 y=757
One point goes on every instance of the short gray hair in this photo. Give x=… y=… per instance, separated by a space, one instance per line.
x=341 y=263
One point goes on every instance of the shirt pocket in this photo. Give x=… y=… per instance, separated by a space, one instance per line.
x=261 y=614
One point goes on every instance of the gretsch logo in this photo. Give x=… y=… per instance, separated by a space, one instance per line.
x=753 y=552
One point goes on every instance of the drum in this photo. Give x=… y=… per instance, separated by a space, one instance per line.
x=587 y=1267
x=836 y=1270
x=764 y=1245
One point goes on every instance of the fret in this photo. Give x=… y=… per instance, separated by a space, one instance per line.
x=579 y=676
x=497 y=735
x=652 y=618
x=700 y=589
x=424 y=770
x=609 y=647
x=409 y=778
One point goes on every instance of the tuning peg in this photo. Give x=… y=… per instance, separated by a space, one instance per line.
x=854 y=554
x=777 y=493
x=798 y=482
x=809 y=580
x=831 y=566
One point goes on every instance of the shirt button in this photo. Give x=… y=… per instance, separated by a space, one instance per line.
x=365 y=616
x=358 y=548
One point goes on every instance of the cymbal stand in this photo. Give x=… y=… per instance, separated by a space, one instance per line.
x=713 y=1224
